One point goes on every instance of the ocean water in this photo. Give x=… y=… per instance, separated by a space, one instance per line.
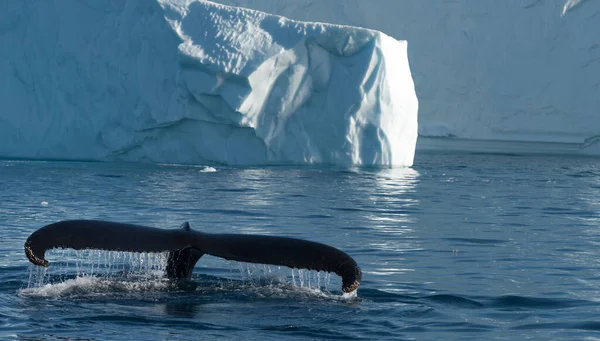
x=459 y=247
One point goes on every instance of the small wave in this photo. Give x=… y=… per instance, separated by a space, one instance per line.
x=234 y=212
x=512 y=301
x=477 y=240
x=317 y=216
x=110 y=176
x=430 y=303
x=583 y=174
x=586 y=325
x=560 y=211
x=235 y=190
x=454 y=300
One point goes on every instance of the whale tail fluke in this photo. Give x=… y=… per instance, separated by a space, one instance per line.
x=186 y=247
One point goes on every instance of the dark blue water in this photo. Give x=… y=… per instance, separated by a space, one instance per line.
x=456 y=248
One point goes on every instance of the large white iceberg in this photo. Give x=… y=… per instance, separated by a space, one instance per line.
x=494 y=70
x=193 y=81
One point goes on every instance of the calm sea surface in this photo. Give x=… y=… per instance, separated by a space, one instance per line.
x=456 y=248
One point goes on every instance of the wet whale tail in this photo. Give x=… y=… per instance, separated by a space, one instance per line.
x=186 y=246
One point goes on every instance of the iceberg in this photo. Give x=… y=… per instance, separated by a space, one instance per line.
x=179 y=81
x=496 y=71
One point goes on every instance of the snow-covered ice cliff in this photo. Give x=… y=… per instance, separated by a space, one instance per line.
x=192 y=81
x=503 y=70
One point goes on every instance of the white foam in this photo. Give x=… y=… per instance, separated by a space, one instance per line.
x=86 y=285
x=350 y=295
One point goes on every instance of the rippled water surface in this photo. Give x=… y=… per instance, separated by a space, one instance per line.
x=456 y=248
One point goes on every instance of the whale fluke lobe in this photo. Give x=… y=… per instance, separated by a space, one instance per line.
x=186 y=247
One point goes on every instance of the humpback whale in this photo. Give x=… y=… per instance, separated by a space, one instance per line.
x=185 y=247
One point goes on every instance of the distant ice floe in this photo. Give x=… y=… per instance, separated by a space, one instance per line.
x=208 y=169
x=570 y=5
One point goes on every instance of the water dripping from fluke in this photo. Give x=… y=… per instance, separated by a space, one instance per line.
x=92 y=272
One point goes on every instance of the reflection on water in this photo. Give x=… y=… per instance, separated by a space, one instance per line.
x=394 y=200
x=392 y=219
x=584 y=210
